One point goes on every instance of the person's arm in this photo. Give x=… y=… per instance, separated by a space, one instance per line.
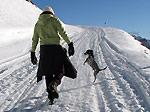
x=35 y=39
x=62 y=32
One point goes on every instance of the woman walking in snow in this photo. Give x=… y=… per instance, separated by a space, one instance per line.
x=52 y=54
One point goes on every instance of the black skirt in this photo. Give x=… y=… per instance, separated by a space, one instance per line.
x=51 y=60
x=54 y=60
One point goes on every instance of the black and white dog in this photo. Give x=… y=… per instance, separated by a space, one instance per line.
x=91 y=61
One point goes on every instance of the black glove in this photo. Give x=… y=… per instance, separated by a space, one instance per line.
x=33 y=58
x=71 y=49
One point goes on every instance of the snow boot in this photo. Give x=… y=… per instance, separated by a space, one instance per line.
x=51 y=98
x=51 y=102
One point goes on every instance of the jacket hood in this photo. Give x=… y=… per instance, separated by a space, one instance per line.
x=44 y=18
x=49 y=9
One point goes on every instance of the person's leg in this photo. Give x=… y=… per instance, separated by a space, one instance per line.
x=49 y=79
x=53 y=85
x=58 y=78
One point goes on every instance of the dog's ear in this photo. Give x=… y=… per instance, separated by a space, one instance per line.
x=89 y=51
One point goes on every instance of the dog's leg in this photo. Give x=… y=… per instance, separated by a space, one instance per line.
x=85 y=61
x=94 y=77
x=95 y=73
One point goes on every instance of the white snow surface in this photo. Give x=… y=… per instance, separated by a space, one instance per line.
x=17 y=13
x=123 y=87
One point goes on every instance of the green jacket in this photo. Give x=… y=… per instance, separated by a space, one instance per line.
x=47 y=29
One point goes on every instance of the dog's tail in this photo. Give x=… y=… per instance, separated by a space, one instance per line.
x=103 y=68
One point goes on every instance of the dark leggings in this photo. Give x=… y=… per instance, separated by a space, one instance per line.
x=51 y=78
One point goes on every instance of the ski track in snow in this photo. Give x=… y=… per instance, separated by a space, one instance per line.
x=120 y=88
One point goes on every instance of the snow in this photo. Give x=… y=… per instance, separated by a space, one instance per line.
x=123 y=87
x=18 y=13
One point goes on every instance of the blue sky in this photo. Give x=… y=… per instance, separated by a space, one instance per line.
x=128 y=15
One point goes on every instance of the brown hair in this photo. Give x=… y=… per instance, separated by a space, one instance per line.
x=47 y=12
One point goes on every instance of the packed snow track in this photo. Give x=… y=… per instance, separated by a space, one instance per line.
x=122 y=87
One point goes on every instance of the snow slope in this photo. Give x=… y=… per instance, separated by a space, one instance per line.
x=123 y=87
x=17 y=19
x=18 y=13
